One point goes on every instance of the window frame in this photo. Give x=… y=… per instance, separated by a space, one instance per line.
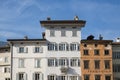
x=22 y=49
x=97 y=64
x=85 y=52
x=97 y=77
x=96 y=52
x=52 y=62
x=107 y=64
x=106 y=52
x=86 y=77
x=37 y=76
x=86 y=64
x=63 y=62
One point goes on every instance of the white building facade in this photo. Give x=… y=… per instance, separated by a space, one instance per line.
x=63 y=55
x=57 y=57
x=28 y=59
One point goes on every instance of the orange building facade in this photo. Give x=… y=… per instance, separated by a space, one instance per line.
x=96 y=59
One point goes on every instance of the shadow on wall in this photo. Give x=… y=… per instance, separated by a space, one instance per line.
x=72 y=71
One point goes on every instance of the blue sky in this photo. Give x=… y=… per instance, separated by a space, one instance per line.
x=21 y=17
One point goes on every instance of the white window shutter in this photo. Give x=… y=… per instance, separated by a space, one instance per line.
x=33 y=76
x=17 y=76
x=41 y=76
x=33 y=49
x=25 y=76
x=41 y=49
x=18 y=50
x=26 y=50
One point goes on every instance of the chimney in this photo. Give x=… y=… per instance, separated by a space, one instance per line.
x=43 y=35
x=117 y=39
x=100 y=37
x=76 y=18
x=25 y=37
x=48 y=18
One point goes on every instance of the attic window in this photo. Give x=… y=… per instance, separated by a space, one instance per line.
x=96 y=45
x=85 y=45
x=106 y=45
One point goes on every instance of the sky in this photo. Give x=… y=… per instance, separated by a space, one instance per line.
x=19 y=18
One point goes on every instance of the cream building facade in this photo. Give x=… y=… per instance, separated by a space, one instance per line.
x=5 y=63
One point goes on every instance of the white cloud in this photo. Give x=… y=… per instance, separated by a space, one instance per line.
x=7 y=34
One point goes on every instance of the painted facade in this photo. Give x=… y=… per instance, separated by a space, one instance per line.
x=96 y=59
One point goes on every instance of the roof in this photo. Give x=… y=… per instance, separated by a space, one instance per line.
x=25 y=40
x=78 y=23
x=96 y=41
x=116 y=43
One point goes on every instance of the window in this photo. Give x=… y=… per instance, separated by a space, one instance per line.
x=85 y=45
x=116 y=55
x=37 y=76
x=96 y=52
x=21 y=63
x=6 y=70
x=6 y=60
x=86 y=64
x=97 y=64
x=62 y=77
x=107 y=64
x=86 y=77
x=62 y=47
x=52 y=62
x=74 y=46
x=107 y=77
x=74 y=62
x=116 y=67
x=106 y=52
x=52 y=33
x=106 y=45
x=97 y=77
x=63 y=62
x=7 y=78
x=74 y=33
x=63 y=33
x=21 y=76
x=85 y=52
x=38 y=49
x=51 y=77
x=52 y=46
x=73 y=78
x=96 y=45
x=37 y=63
x=22 y=49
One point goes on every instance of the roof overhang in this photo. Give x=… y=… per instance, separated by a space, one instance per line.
x=26 y=40
x=67 y=23
x=97 y=41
